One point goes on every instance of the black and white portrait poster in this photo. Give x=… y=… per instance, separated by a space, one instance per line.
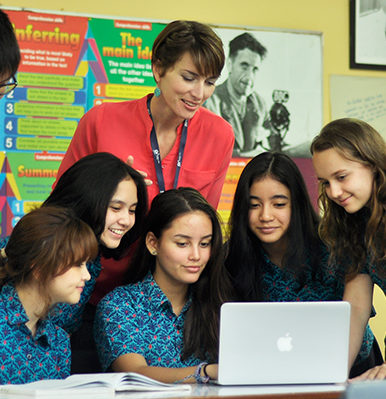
x=270 y=90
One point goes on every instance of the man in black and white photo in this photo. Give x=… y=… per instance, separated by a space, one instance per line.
x=237 y=101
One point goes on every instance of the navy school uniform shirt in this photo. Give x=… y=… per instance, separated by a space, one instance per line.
x=26 y=358
x=279 y=285
x=52 y=336
x=67 y=316
x=138 y=318
x=374 y=273
x=376 y=278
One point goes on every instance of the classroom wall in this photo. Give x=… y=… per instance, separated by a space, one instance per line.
x=331 y=17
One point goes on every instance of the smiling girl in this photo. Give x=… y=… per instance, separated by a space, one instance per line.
x=165 y=323
x=349 y=158
x=111 y=198
x=43 y=263
x=274 y=251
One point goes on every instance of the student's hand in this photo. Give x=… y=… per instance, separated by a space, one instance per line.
x=212 y=371
x=130 y=162
x=376 y=373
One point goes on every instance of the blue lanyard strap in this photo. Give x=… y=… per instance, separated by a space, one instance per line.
x=157 y=154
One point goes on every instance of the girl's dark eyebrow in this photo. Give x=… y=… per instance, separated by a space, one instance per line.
x=186 y=236
x=117 y=201
x=277 y=196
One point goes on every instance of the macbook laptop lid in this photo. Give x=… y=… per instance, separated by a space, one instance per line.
x=283 y=343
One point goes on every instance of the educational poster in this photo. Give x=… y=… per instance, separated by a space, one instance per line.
x=71 y=63
x=121 y=51
x=39 y=117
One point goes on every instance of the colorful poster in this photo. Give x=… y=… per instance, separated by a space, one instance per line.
x=43 y=111
x=71 y=63
x=29 y=177
x=120 y=59
x=39 y=117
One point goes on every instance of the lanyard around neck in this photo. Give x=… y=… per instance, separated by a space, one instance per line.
x=157 y=154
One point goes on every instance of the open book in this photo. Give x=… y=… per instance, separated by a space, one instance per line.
x=100 y=383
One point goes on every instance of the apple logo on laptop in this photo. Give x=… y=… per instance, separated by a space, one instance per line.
x=284 y=344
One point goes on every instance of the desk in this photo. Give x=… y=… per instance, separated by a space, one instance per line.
x=203 y=392
x=245 y=392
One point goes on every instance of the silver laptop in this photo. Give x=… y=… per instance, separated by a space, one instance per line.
x=284 y=343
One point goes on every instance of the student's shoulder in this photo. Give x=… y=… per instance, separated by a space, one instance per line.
x=123 y=294
x=57 y=336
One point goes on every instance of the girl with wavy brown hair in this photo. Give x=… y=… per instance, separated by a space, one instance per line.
x=349 y=158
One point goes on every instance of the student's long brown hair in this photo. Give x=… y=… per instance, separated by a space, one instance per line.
x=359 y=237
x=45 y=243
x=201 y=326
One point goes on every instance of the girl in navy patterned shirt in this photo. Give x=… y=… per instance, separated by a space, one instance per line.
x=165 y=324
x=111 y=198
x=43 y=263
x=275 y=253
x=349 y=157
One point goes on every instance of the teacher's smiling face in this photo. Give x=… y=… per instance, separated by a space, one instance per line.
x=183 y=89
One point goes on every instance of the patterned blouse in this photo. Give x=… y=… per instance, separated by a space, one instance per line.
x=279 y=285
x=138 y=318
x=69 y=316
x=26 y=358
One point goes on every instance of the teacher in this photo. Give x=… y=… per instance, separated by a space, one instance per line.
x=172 y=138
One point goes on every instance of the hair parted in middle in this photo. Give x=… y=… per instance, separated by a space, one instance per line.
x=195 y=38
x=45 y=243
x=88 y=186
x=244 y=258
x=212 y=288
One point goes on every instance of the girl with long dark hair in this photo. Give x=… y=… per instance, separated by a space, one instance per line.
x=164 y=324
x=111 y=198
x=274 y=251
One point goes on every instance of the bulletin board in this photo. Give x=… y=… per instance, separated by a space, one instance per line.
x=72 y=62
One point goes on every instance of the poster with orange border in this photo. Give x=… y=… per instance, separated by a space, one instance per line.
x=69 y=63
